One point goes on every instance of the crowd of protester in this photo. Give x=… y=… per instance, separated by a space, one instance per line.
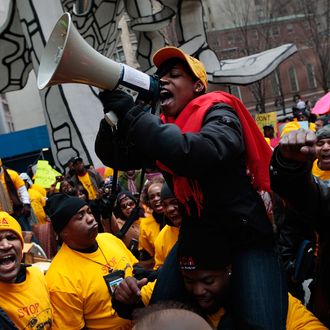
x=208 y=223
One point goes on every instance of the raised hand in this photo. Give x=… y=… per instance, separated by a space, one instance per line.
x=298 y=145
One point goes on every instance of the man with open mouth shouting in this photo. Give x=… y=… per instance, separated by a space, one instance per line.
x=24 y=298
x=215 y=160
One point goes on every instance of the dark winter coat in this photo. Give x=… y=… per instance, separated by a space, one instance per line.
x=215 y=157
x=309 y=197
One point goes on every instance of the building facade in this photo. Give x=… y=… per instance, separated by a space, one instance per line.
x=238 y=28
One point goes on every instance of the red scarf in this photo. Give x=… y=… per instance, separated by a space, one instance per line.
x=258 y=152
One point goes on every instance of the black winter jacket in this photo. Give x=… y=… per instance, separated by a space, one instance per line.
x=215 y=157
x=309 y=197
x=294 y=182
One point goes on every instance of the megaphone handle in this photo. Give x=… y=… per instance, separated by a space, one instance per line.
x=111 y=118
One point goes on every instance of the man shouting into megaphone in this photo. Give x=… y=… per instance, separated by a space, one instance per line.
x=215 y=160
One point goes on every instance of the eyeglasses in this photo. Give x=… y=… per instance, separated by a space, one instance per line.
x=124 y=206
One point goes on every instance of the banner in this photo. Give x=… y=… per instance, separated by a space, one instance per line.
x=45 y=175
x=269 y=118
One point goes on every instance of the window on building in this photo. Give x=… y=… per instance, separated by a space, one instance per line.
x=238 y=38
x=307 y=26
x=235 y=90
x=275 y=31
x=133 y=42
x=231 y=39
x=255 y=34
x=293 y=79
x=275 y=84
x=119 y=55
x=289 y=28
x=260 y=13
x=311 y=76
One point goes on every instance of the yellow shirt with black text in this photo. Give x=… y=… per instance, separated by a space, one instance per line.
x=27 y=303
x=78 y=292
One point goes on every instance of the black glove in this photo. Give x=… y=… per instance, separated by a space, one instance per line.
x=117 y=101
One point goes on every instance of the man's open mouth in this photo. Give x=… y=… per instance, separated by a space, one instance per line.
x=165 y=96
x=157 y=205
x=325 y=158
x=7 y=260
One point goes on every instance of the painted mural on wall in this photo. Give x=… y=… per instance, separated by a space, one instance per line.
x=73 y=111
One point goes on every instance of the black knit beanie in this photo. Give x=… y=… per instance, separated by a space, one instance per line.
x=203 y=246
x=61 y=208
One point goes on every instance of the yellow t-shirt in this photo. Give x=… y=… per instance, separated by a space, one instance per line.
x=164 y=243
x=146 y=292
x=149 y=230
x=38 y=202
x=88 y=185
x=298 y=317
x=108 y=171
x=316 y=171
x=214 y=319
x=42 y=190
x=17 y=181
x=27 y=304
x=15 y=178
x=78 y=291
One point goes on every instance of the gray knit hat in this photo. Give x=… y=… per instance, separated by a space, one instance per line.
x=323 y=133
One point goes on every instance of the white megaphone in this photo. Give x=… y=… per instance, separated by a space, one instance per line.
x=68 y=58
